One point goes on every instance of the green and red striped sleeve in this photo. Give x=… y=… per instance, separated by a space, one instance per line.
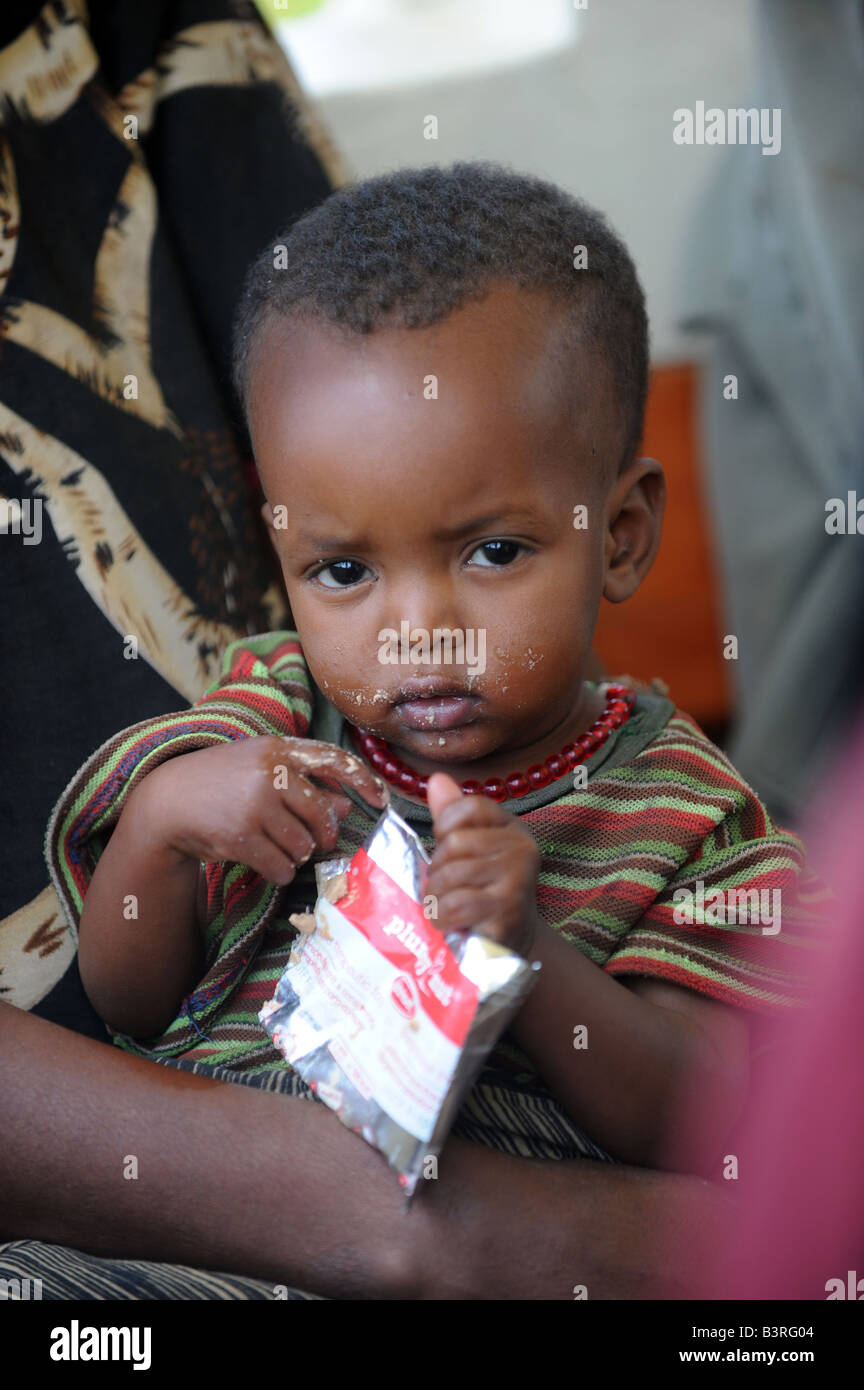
x=670 y=866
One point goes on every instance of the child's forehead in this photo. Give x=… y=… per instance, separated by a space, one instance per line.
x=502 y=364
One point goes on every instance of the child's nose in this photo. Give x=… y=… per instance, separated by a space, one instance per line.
x=426 y=605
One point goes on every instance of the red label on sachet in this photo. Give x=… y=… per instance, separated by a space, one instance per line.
x=395 y=925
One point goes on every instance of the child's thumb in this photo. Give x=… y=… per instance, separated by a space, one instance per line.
x=440 y=792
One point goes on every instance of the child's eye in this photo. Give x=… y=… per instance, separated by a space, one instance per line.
x=339 y=574
x=496 y=553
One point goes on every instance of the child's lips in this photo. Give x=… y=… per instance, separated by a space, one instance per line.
x=438 y=711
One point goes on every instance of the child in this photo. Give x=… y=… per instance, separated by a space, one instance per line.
x=444 y=376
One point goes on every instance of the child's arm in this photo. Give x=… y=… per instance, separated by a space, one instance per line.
x=141 y=946
x=140 y=949
x=646 y=1041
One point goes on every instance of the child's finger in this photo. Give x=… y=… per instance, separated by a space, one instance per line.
x=449 y=810
x=293 y=837
x=267 y=858
x=474 y=842
x=314 y=759
x=308 y=805
x=341 y=803
x=441 y=791
x=460 y=873
x=465 y=909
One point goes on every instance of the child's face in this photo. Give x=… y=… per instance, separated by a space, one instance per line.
x=452 y=512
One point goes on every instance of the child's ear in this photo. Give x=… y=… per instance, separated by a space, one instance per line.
x=635 y=525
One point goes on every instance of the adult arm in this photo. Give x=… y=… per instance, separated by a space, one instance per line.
x=249 y=1182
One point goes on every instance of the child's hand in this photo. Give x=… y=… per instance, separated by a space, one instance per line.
x=252 y=802
x=484 y=869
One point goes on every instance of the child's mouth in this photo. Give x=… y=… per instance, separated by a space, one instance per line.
x=440 y=712
x=433 y=703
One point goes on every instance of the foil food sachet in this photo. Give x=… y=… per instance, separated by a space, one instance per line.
x=386 y=1018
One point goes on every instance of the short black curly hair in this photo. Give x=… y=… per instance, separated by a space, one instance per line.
x=408 y=248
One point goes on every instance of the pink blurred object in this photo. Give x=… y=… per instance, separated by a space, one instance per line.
x=799 y=1229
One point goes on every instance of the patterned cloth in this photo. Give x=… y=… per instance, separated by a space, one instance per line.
x=147 y=153
x=663 y=809
x=63 y=1273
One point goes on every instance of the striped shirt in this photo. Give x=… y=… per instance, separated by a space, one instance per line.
x=663 y=812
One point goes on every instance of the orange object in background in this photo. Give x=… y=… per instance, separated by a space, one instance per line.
x=671 y=627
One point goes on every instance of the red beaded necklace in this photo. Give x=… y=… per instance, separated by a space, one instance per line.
x=619 y=705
